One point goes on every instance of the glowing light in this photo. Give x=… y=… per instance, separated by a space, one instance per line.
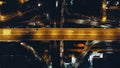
x=6 y=32
x=108 y=2
x=117 y=3
x=70 y=32
x=104 y=6
x=22 y=43
x=2 y=18
x=56 y=3
x=1 y=2
x=104 y=19
x=19 y=13
x=39 y=4
x=81 y=45
x=73 y=59
x=23 y=1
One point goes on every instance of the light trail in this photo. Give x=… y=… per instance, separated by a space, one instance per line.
x=60 y=34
